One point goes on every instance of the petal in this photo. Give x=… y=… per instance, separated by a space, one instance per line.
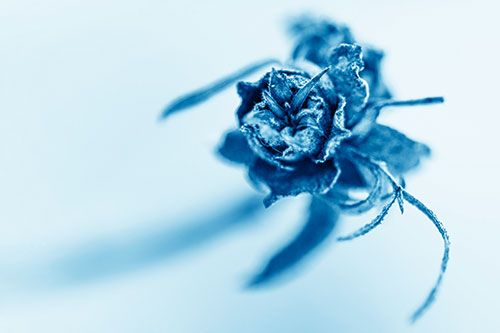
x=316 y=36
x=350 y=174
x=346 y=64
x=340 y=196
x=321 y=221
x=251 y=94
x=262 y=131
x=305 y=177
x=278 y=87
x=235 y=148
x=337 y=134
x=400 y=153
x=372 y=73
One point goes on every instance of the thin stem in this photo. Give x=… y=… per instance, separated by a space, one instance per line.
x=412 y=102
x=373 y=224
x=373 y=110
x=204 y=93
x=446 y=254
x=430 y=215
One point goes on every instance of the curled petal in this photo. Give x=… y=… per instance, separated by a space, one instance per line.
x=306 y=177
x=279 y=88
x=337 y=134
x=235 y=148
x=336 y=196
x=265 y=149
x=346 y=64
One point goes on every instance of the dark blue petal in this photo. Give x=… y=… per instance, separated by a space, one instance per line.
x=350 y=175
x=251 y=94
x=305 y=177
x=372 y=73
x=322 y=220
x=235 y=148
x=340 y=196
x=279 y=88
x=392 y=147
x=315 y=37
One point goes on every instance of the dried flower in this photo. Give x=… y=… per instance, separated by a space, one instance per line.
x=311 y=127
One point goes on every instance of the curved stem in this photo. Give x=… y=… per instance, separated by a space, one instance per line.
x=411 y=102
x=430 y=215
x=373 y=224
x=446 y=254
x=204 y=93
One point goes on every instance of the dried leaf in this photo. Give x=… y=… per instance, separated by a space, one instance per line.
x=320 y=223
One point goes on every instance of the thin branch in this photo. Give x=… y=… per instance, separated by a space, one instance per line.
x=204 y=93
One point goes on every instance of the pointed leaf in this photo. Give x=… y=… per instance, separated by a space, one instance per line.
x=300 y=97
x=273 y=105
x=322 y=220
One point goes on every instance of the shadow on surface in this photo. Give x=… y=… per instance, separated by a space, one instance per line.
x=131 y=252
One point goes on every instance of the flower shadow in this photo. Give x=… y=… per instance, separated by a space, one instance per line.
x=127 y=253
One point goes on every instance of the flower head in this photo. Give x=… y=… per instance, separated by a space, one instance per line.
x=290 y=120
x=295 y=126
x=311 y=127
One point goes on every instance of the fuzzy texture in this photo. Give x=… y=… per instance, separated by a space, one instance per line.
x=311 y=127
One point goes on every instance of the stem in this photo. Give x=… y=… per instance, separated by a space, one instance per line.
x=204 y=93
x=430 y=215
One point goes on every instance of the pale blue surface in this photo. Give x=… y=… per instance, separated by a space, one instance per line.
x=85 y=165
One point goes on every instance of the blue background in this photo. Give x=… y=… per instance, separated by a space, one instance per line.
x=89 y=177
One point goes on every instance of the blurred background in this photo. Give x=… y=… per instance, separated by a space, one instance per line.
x=111 y=221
